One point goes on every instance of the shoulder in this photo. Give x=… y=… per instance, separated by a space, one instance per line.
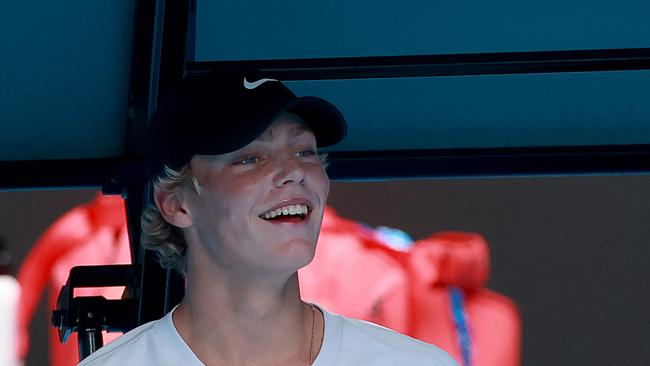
x=156 y=343
x=368 y=343
x=132 y=347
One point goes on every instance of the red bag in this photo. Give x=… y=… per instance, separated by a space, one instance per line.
x=90 y=234
x=461 y=260
x=433 y=291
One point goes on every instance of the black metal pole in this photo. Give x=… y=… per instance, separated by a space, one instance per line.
x=436 y=65
x=163 y=28
x=89 y=341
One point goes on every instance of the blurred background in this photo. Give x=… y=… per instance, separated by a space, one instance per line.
x=572 y=253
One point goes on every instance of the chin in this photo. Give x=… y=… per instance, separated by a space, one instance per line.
x=295 y=254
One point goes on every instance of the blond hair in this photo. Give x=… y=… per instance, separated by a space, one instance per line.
x=165 y=239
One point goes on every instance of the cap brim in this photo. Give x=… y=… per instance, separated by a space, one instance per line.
x=324 y=119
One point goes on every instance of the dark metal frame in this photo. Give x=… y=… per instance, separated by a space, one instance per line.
x=163 y=42
x=88 y=316
x=436 y=65
x=124 y=177
x=73 y=173
x=489 y=162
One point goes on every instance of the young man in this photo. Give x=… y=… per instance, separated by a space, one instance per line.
x=239 y=193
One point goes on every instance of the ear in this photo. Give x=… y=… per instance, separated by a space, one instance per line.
x=172 y=209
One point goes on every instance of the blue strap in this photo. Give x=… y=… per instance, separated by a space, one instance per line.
x=394 y=238
x=460 y=321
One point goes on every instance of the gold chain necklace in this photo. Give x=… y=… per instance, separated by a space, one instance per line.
x=313 y=333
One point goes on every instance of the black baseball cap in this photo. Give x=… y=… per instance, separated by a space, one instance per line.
x=210 y=114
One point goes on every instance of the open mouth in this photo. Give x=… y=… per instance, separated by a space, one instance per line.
x=288 y=213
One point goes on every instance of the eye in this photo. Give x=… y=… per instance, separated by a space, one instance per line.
x=248 y=160
x=307 y=153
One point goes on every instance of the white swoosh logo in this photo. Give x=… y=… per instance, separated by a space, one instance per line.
x=248 y=85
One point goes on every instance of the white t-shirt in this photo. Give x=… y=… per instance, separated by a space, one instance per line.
x=347 y=342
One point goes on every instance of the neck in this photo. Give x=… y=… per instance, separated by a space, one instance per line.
x=226 y=320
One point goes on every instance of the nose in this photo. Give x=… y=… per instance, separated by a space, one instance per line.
x=288 y=172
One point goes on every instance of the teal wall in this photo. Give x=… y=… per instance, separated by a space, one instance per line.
x=64 y=75
x=244 y=29
x=604 y=108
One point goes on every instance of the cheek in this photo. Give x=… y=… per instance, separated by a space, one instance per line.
x=321 y=183
x=223 y=213
x=236 y=198
x=327 y=186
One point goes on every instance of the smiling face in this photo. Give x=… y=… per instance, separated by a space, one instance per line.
x=260 y=207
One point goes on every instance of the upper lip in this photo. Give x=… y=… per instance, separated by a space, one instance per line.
x=290 y=201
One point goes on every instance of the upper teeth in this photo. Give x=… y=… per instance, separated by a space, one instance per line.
x=286 y=210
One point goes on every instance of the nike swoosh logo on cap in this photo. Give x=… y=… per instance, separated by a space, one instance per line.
x=250 y=86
